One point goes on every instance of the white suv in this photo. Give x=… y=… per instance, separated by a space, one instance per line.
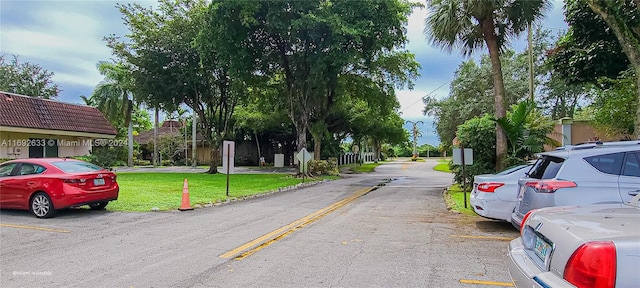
x=580 y=176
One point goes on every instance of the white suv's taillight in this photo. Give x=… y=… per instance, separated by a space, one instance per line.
x=489 y=187
x=592 y=265
x=550 y=186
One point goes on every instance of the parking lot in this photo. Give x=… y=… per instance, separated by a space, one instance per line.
x=385 y=229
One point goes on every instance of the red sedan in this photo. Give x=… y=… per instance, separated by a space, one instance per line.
x=44 y=185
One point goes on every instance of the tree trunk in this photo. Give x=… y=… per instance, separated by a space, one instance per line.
x=213 y=159
x=130 y=145
x=194 y=147
x=302 y=137
x=317 y=130
x=377 y=146
x=255 y=134
x=488 y=31
x=630 y=46
x=155 y=138
x=317 y=145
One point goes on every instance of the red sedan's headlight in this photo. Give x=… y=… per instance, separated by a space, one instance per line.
x=592 y=265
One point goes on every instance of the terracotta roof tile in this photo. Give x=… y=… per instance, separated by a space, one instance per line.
x=31 y=112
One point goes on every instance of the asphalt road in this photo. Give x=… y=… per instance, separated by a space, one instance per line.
x=384 y=229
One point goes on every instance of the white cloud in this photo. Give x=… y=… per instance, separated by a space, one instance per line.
x=63 y=37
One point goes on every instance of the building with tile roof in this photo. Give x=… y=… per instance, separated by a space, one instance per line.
x=33 y=127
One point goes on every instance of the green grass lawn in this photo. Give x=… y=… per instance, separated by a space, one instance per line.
x=367 y=167
x=455 y=199
x=143 y=191
x=443 y=166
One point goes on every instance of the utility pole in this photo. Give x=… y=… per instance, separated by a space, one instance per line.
x=530 y=63
x=415 y=137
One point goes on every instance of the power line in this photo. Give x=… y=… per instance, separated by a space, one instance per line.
x=428 y=94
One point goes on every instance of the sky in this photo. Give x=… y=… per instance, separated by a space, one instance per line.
x=66 y=38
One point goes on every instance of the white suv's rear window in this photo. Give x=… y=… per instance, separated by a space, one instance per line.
x=546 y=167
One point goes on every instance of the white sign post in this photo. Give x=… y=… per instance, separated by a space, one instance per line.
x=228 y=154
x=458 y=157
x=463 y=158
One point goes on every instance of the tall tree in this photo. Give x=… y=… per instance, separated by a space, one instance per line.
x=175 y=63
x=467 y=24
x=113 y=97
x=27 y=79
x=623 y=18
x=471 y=92
x=307 y=45
x=371 y=112
x=603 y=41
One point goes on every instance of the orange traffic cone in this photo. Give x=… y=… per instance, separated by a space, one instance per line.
x=186 y=203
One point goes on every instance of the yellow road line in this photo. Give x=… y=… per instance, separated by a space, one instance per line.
x=34 y=228
x=275 y=235
x=492 y=283
x=484 y=237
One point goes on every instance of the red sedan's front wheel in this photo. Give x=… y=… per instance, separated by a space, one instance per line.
x=41 y=205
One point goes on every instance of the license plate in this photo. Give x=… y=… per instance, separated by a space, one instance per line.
x=98 y=181
x=541 y=248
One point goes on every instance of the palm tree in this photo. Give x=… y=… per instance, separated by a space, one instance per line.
x=468 y=25
x=112 y=96
x=526 y=129
x=416 y=134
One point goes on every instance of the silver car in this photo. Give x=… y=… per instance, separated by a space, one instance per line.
x=494 y=195
x=571 y=246
x=599 y=174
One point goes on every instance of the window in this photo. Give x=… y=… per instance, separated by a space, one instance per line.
x=607 y=163
x=29 y=169
x=631 y=165
x=546 y=167
x=5 y=169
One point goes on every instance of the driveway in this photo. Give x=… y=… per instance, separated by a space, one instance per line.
x=384 y=229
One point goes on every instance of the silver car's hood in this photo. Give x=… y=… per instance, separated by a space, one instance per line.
x=594 y=222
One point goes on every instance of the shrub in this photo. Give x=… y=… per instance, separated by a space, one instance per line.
x=324 y=167
x=478 y=134
x=104 y=157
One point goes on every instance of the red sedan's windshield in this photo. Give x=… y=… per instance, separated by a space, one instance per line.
x=73 y=166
